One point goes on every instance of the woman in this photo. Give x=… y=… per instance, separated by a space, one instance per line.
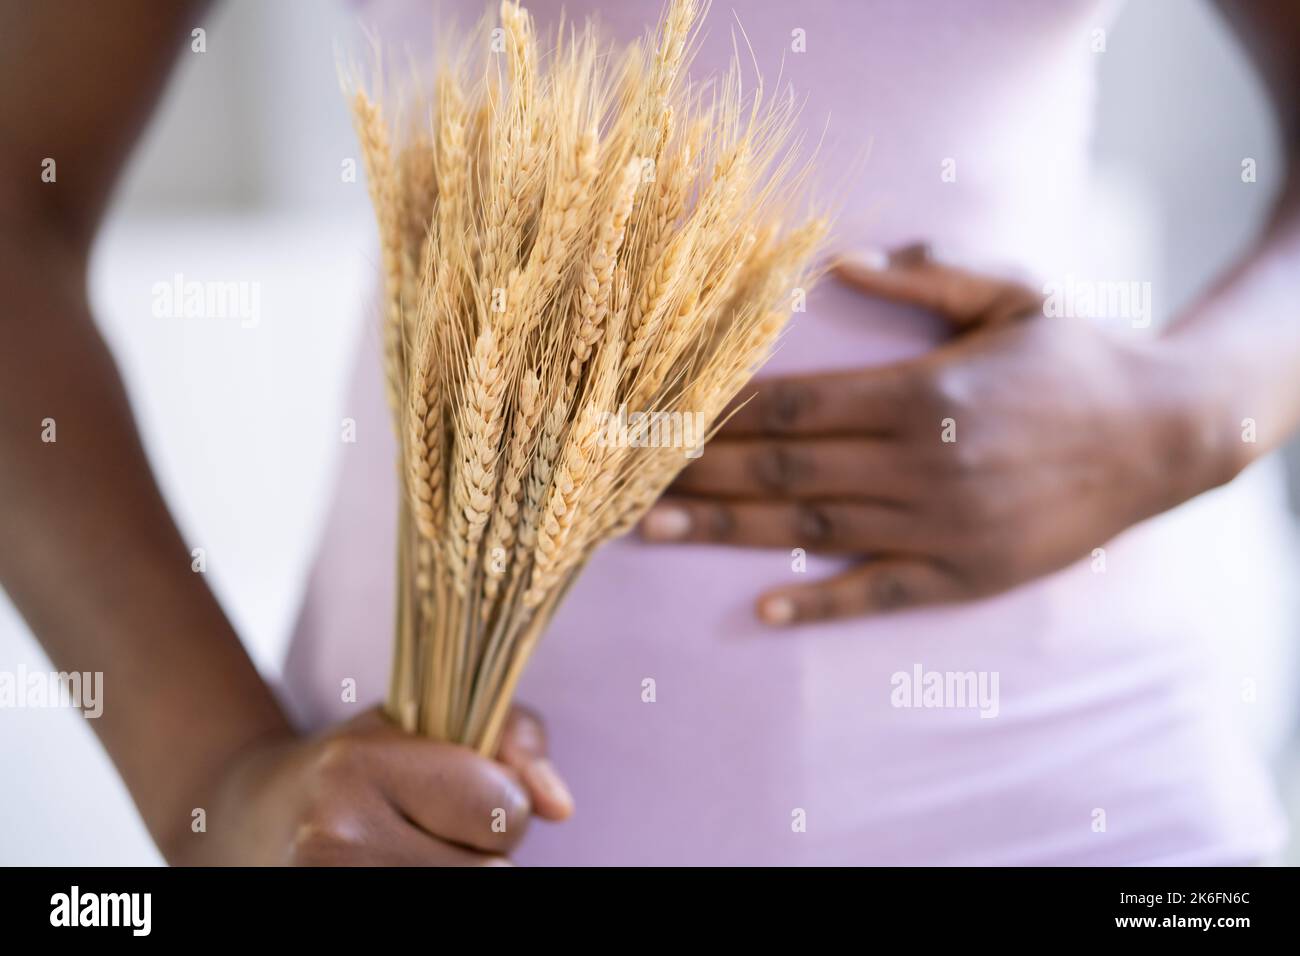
x=929 y=442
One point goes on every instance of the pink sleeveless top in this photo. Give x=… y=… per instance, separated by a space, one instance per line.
x=1117 y=732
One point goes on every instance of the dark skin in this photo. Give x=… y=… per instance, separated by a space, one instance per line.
x=1066 y=434
x=367 y=794
x=92 y=559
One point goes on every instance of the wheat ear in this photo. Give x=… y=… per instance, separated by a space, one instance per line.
x=503 y=530
x=381 y=180
x=591 y=300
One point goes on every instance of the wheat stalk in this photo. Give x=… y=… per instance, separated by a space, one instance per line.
x=564 y=235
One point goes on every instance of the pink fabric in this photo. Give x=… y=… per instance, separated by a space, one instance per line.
x=1117 y=735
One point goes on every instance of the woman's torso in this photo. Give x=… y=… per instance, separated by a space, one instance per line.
x=1115 y=736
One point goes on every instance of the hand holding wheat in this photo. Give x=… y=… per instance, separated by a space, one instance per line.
x=563 y=238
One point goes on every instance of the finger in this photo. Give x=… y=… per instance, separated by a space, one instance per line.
x=400 y=844
x=838 y=527
x=964 y=298
x=364 y=827
x=856 y=402
x=876 y=587
x=411 y=846
x=450 y=792
x=523 y=749
x=858 y=467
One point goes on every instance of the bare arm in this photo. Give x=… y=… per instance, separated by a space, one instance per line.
x=93 y=561
x=1244 y=335
x=88 y=551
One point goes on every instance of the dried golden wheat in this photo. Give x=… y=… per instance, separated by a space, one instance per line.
x=564 y=235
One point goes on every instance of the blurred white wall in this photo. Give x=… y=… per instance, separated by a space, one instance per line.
x=257 y=121
x=239 y=179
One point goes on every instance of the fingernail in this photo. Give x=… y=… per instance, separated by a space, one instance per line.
x=542 y=776
x=665 y=523
x=776 y=609
x=873 y=259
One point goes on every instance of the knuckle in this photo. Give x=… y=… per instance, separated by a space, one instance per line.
x=948 y=391
x=887 y=590
x=323 y=805
x=923 y=399
x=819 y=603
x=777 y=468
x=338 y=757
x=718 y=522
x=813 y=524
x=783 y=404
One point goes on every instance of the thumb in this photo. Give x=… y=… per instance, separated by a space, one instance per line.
x=523 y=749
x=910 y=276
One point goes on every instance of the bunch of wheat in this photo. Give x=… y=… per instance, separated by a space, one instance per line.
x=563 y=237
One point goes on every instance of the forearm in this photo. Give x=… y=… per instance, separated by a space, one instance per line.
x=1242 y=340
x=1240 y=346
x=91 y=557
